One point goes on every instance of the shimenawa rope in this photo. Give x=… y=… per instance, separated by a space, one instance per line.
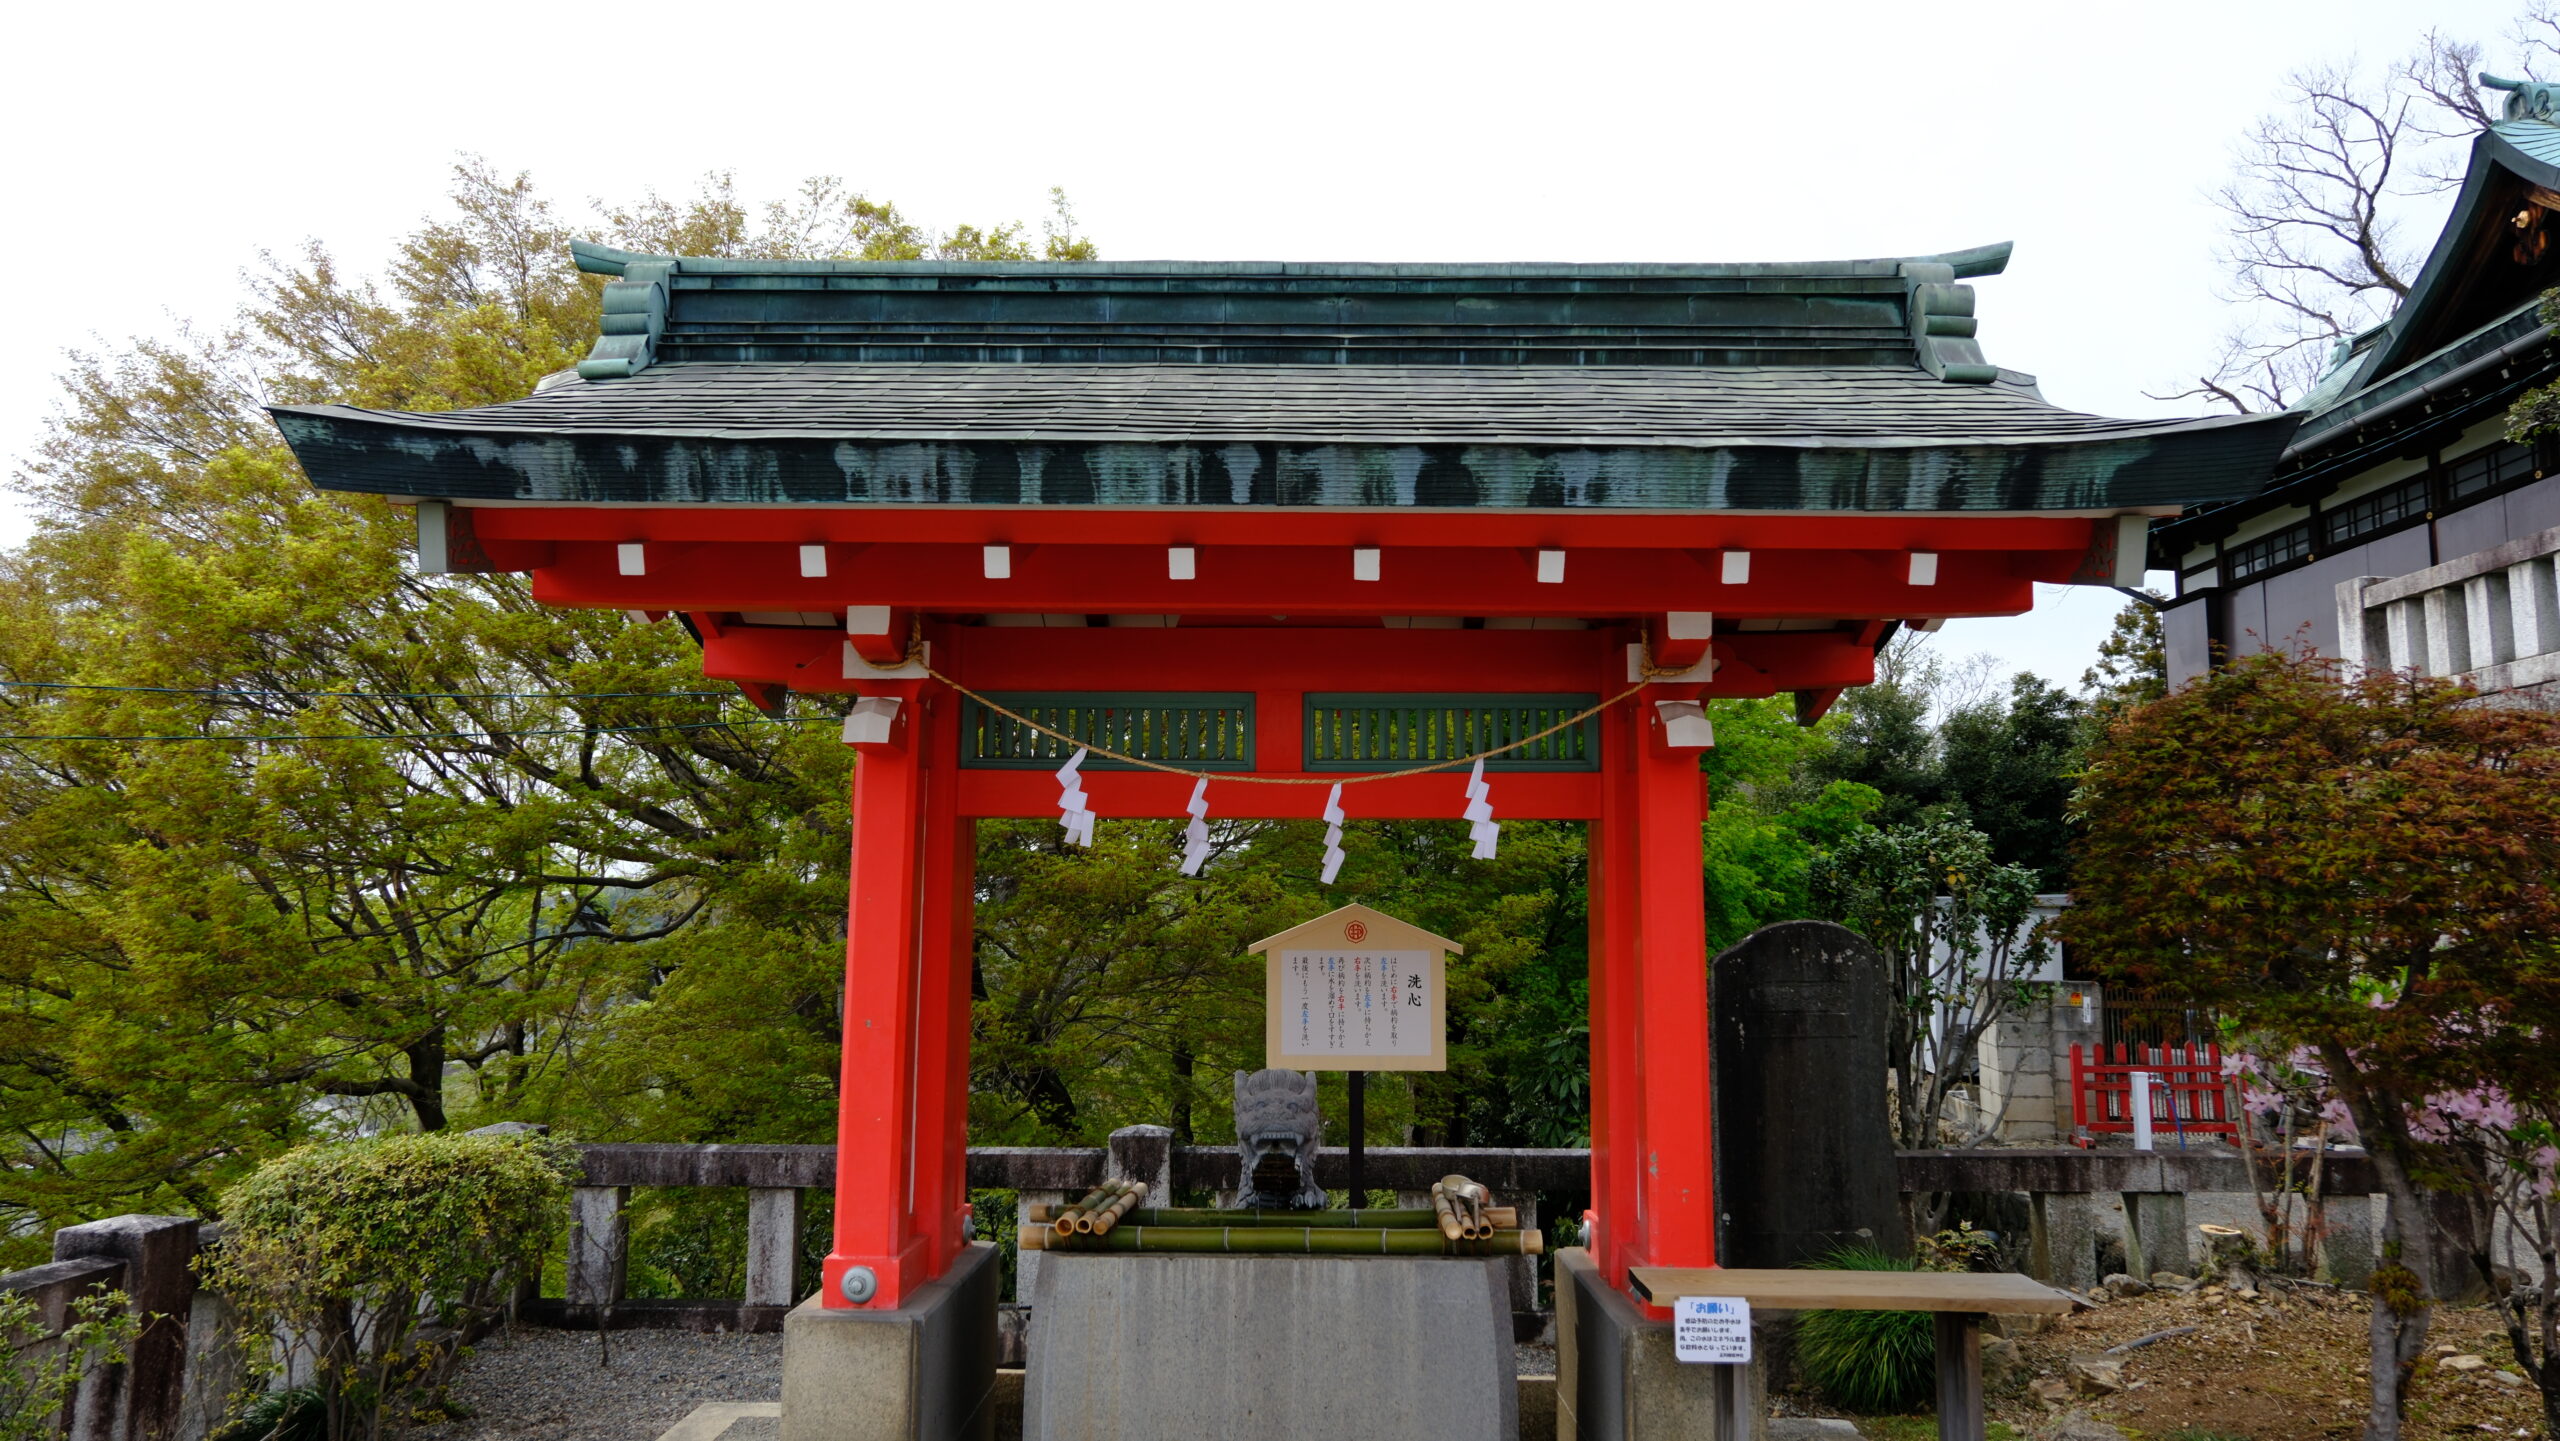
x=1648 y=671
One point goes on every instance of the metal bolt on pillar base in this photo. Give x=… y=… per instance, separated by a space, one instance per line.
x=859 y=1284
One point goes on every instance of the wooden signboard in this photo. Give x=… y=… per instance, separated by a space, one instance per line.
x=1356 y=990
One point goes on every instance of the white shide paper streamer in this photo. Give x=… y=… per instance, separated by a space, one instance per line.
x=1195 y=836
x=1481 y=825
x=1333 y=834
x=1074 y=817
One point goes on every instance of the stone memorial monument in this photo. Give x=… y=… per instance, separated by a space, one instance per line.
x=1804 y=1154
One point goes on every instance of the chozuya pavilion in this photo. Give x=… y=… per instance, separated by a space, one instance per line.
x=1226 y=515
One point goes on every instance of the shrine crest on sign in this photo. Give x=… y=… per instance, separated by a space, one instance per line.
x=1356 y=990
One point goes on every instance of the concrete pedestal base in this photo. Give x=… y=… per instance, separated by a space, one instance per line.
x=2155 y=1234
x=923 y=1372
x=2063 y=1239
x=1618 y=1378
x=1276 y=1348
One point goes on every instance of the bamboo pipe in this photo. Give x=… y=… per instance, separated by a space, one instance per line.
x=1065 y=1221
x=1109 y=1216
x=1470 y=1219
x=1276 y=1240
x=1085 y=1214
x=1451 y=1227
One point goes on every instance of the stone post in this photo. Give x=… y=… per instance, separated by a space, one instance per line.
x=2016 y=1059
x=773 y=1245
x=2073 y=1025
x=597 y=1249
x=1524 y=1269
x=1142 y=1153
x=1026 y=1264
x=2155 y=1233
x=2063 y=1239
x=159 y=1254
x=2351 y=1243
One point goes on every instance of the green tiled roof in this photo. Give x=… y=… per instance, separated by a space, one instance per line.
x=1847 y=385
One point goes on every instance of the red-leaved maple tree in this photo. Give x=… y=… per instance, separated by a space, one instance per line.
x=2367 y=865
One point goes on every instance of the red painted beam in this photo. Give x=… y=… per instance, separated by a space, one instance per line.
x=1404 y=526
x=1291 y=660
x=1267 y=581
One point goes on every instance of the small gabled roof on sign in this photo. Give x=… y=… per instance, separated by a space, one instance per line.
x=1378 y=932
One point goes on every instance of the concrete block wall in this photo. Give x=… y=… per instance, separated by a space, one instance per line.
x=2492 y=617
x=2025 y=1061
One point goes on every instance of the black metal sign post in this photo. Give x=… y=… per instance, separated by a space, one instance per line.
x=1359 y=1137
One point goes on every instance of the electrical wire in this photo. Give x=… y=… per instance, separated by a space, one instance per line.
x=222 y=691
x=454 y=735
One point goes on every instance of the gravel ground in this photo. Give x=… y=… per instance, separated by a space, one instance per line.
x=548 y=1384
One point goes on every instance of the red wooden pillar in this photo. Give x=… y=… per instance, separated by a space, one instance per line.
x=1617 y=1111
x=1652 y=1163
x=950 y=863
x=900 y=1121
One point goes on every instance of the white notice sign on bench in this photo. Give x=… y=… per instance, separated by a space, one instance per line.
x=1713 y=1329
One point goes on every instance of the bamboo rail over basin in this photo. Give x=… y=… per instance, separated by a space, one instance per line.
x=1501 y=1217
x=1282 y=1240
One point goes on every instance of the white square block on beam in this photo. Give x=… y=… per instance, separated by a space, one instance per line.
x=1924 y=567
x=1181 y=562
x=1364 y=563
x=999 y=562
x=1736 y=567
x=1685 y=725
x=813 y=562
x=866 y=620
x=1550 y=567
x=873 y=721
x=631 y=558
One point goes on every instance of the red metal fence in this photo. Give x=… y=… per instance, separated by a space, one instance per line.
x=2188 y=1093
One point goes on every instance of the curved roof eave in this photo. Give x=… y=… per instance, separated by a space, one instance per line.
x=1968 y=264
x=2506 y=145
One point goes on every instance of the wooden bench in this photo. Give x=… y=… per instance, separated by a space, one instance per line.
x=1959 y=1299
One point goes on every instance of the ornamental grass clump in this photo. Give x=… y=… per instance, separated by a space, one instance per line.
x=377 y=1258
x=1871 y=1362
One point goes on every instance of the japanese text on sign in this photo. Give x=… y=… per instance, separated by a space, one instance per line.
x=1355 y=1003
x=1713 y=1329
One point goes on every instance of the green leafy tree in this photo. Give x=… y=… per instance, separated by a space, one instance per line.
x=1881 y=735
x=1111 y=989
x=1952 y=926
x=1766 y=821
x=2360 y=867
x=330 y=844
x=2009 y=767
x=2133 y=661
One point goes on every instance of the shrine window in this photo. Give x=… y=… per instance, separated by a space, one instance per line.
x=2268 y=552
x=2492 y=469
x=2378 y=511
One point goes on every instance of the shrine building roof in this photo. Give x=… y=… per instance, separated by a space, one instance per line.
x=1847 y=386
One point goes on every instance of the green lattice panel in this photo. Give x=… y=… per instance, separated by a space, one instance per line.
x=1210 y=731
x=1356 y=732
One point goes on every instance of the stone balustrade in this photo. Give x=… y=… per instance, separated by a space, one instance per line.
x=2491 y=617
x=182 y=1372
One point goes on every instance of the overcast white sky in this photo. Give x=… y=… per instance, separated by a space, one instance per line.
x=155 y=149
